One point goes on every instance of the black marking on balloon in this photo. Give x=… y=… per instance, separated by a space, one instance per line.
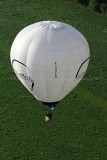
x=21 y=75
x=15 y=60
x=32 y=86
x=55 y=70
x=81 y=66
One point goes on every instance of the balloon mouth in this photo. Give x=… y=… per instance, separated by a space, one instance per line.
x=50 y=104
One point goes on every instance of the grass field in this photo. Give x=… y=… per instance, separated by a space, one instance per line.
x=79 y=127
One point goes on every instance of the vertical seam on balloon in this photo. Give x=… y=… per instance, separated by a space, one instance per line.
x=27 y=56
x=28 y=50
x=65 y=72
x=45 y=63
x=27 y=53
x=30 y=44
x=25 y=63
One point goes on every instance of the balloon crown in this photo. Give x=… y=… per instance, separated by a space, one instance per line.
x=51 y=24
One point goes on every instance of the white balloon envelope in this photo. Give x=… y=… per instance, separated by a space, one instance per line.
x=50 y=58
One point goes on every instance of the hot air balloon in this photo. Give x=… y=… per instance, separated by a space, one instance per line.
x=50 y=58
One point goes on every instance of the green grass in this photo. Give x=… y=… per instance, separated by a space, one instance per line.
x=78 y=130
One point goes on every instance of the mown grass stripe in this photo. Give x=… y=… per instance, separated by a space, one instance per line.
x=86 y=94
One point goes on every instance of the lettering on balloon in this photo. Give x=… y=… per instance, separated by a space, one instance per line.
x=55 y=70
x=21 y=75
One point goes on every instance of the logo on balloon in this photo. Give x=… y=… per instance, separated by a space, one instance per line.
x=80 y=73
x=22 y=75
